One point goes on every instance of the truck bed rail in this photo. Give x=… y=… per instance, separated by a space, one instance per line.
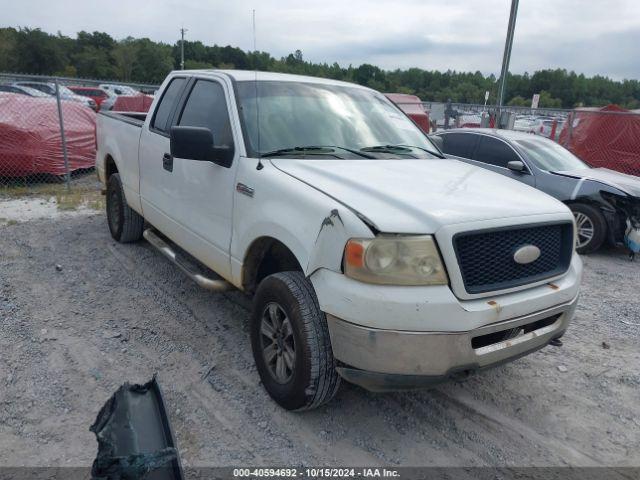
x=134 y=118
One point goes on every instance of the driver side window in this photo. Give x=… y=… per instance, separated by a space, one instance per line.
x=207 y=107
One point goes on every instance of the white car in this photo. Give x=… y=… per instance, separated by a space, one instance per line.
x=539 y=126
x=109 y=102
x=545 y=127
x=116 y=89
x=371 y=258
x=65 y=94
x=524 y=124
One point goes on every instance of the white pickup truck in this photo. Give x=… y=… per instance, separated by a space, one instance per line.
x=370 y=257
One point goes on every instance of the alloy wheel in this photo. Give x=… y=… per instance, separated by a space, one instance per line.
x=278 y=343
x=585 y=229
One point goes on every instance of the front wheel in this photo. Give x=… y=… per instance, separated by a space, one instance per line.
x=591 y=227
x=291 y=344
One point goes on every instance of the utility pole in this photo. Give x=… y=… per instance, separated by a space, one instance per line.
x=182 y=32
x=507 y=52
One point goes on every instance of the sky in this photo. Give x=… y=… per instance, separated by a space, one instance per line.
x=594 y=37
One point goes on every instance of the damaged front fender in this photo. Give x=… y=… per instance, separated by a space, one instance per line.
x=334 y=231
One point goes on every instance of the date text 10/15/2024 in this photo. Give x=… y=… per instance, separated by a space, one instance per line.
x=316 y=472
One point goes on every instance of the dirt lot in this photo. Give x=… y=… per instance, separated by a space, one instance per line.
x=80 y=314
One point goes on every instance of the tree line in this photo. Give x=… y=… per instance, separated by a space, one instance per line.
x=97 y=55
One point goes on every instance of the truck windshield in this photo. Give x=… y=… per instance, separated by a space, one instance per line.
x=295 y=115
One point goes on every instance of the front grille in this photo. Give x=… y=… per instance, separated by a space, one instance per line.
x=486 y=258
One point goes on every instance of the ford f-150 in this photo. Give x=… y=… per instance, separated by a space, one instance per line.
x=370 y=257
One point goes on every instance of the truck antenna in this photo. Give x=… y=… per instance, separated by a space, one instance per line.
x=259 y=166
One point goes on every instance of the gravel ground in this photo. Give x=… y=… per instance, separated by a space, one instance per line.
x=80 y=314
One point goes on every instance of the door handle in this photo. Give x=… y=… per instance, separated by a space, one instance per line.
x=167 y=162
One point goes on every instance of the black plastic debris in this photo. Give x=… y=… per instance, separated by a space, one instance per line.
x=134 y=437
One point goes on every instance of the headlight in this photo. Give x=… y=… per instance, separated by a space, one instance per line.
x=395 y=260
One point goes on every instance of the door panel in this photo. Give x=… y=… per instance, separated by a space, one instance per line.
x=154 y=144
x=194 y=199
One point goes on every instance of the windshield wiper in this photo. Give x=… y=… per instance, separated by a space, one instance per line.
x=432 y=152
x=313 y=150
x=397 y=149
x=393 y=149
x=355 y=152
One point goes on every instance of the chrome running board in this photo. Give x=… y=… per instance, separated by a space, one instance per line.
x=215 y=285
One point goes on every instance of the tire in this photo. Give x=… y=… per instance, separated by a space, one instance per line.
x=125 y=224
x=312 y=379
x=589 y=218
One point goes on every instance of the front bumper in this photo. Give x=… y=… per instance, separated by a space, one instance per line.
x=382 y=360
x=435 y=308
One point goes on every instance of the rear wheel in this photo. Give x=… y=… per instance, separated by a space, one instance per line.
x=291 y=344
x=125 y=224
x=591 y=227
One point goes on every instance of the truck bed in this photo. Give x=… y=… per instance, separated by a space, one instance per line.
x=134 y=118
x=119 y=133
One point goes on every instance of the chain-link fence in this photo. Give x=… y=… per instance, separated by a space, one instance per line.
x=48 y=126
x=606 y=137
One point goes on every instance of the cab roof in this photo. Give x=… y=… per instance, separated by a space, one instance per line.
x=251 y=75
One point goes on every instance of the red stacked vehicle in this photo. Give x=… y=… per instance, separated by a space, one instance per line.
x=30 y=140
x=96 y=94
x=412 y=106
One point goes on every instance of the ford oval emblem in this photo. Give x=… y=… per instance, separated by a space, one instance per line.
x=526 y=254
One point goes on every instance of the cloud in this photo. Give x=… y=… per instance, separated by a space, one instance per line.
x=611 y=53
x=589 y=37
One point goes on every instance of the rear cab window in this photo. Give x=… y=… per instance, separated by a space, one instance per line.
x=169 y=99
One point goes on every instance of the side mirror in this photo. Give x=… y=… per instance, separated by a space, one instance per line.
x=196 y=143
x=516 y=166
x=438 y=141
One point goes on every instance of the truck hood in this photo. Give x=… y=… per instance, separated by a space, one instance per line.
x=419 y=196
x=627 y=183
